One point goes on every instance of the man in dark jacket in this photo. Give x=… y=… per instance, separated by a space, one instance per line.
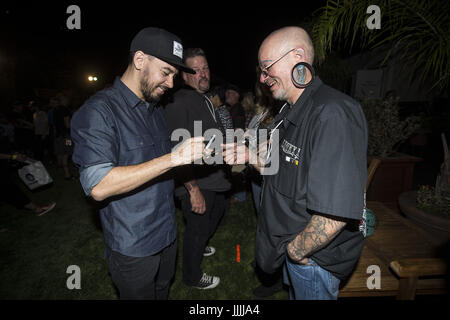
x=202 y=188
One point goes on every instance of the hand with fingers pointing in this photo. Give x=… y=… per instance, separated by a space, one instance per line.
x=189 y=151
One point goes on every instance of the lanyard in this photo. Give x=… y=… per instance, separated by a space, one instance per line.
x=269 y=148
x=210 y=108
x=269 y=152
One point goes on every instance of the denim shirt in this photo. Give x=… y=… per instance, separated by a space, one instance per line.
x=115 y=128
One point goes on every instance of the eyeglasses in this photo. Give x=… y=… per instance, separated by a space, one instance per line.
x=265 y=70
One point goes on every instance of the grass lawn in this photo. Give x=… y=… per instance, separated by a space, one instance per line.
x=36 y=251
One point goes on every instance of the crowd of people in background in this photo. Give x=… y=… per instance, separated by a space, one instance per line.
x=36 y=129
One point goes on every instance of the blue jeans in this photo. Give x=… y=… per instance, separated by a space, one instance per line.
x=310 y=282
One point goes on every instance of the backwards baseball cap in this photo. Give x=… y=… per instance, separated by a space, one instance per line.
x=162 y=45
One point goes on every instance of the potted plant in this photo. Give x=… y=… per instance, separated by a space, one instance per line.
x=386 y=132
x=429 y=207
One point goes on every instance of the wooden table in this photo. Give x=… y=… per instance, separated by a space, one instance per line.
x=404 y=254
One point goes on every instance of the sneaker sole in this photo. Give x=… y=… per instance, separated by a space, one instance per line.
x=209 y=254
x=212 y=286
x=48 y=210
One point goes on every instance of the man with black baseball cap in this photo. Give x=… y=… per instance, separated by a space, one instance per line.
x=160 y=44
x=123 y=150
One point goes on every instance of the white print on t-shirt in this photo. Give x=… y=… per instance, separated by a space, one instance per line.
x=291 y=150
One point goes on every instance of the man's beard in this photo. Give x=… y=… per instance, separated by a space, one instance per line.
x=279 y=94
x=149 y=89
x=205 y=87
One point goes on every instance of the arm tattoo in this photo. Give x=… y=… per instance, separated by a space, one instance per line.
x=317 y=234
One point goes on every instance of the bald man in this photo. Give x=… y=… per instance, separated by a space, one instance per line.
x=312 y=207
x=291 y=44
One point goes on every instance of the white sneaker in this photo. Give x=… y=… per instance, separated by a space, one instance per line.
x=208 y=282
x=209 y=251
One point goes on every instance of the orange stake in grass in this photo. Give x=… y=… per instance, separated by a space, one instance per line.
x=238 y=257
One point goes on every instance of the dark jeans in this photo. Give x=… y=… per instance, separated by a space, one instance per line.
x=199 y=228
x=146 y=278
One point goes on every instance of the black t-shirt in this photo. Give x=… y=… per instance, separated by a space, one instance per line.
x=322 y=168
x=187 y=107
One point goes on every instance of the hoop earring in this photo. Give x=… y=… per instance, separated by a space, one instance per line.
x=298 y=74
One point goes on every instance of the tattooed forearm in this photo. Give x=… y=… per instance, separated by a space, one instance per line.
x=317 y=234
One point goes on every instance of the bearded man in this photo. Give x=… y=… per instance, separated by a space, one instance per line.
x=123 y=150
x=312 y=207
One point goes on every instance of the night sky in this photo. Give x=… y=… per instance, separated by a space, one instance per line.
x=46 y=54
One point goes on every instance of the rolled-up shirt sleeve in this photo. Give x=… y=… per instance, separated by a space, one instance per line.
x=95 y=145
x=91 y=176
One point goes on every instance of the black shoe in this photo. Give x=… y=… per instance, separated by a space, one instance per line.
x=264 y=292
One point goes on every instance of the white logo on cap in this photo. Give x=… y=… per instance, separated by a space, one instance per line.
x=178 y=49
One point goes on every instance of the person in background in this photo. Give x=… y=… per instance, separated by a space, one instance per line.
x=232 y=97
x=264 y=110
x=6 y=132
x=63 y=143
x=41 y=131
x=248 y=103
x=51 y=107
x=11 y=193
x=217 y=96
x=23 y=128
x=202 y=188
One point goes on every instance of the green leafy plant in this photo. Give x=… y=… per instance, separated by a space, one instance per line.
x=415 y=30
x=437 y=200
x=386 y=129
x=429 y=201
